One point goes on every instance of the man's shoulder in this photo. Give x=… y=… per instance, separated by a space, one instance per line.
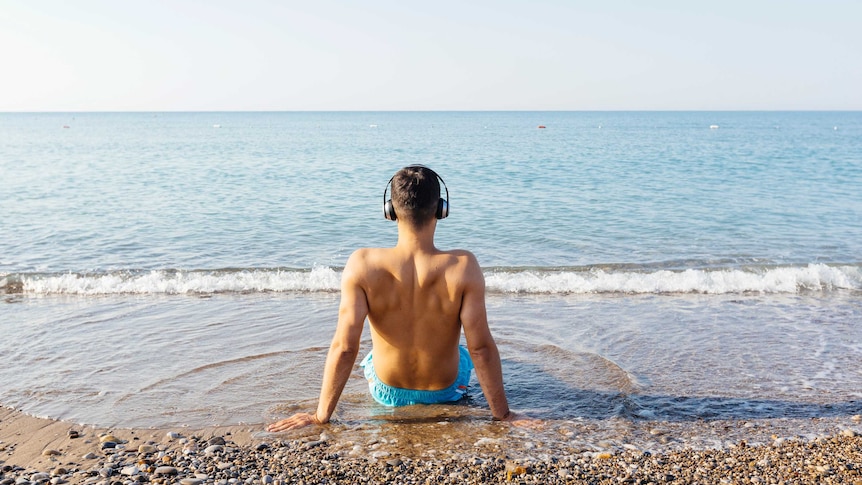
x=366 y=254
x=363 y=257
x=463 y=265
x=461 y=255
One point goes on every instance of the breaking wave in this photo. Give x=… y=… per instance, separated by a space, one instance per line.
x=583 y=280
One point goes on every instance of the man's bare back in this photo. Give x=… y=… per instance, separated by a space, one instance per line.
x=414 y=308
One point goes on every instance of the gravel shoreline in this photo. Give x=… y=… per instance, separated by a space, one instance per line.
x=128 y=457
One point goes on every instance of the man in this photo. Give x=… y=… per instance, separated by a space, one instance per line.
x=417 y=299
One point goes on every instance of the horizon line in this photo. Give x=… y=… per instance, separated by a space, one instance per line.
x=849 y=110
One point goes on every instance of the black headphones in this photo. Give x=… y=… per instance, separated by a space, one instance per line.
x=442 y=204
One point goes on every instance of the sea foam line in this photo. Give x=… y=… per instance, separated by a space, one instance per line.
x=785 y=279
x=181 y=282
x=813 y=277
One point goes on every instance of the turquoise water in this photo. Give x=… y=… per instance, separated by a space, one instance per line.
x=182 y=268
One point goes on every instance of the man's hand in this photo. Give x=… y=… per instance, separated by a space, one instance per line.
x=522 y=420
x=298 y=420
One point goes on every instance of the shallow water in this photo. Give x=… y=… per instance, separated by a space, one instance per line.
x=594 y=367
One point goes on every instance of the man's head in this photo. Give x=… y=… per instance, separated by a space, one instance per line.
x=416 y=196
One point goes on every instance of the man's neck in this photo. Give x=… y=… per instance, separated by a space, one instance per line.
x=416 y=240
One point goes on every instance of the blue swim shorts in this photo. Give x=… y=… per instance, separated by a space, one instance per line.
x=396 y=396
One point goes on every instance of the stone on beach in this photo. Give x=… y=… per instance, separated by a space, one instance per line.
x=829 y=459
x=165 y=470
x=213 y=449
x=147 y=449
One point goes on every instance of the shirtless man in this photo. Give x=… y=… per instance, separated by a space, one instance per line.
x=417 y=299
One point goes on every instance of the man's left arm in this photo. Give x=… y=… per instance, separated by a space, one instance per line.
x=342 y=351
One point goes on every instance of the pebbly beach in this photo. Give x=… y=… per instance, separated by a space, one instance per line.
x=41 y=451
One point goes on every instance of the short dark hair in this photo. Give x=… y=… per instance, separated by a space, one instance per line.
x=415 y=194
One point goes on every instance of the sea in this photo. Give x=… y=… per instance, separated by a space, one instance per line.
x=655 y=280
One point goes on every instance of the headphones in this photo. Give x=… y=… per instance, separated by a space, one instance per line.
x=442 y=204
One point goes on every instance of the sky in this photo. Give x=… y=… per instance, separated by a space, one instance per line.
x=258 y=55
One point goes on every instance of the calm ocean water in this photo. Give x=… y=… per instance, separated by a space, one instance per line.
x=696 y=272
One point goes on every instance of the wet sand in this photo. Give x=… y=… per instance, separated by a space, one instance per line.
x=34 y=450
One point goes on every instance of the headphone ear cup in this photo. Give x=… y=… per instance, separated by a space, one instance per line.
x=442 y=209
x=389 y=210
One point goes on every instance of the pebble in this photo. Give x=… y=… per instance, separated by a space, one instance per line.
x=312 y=444
x=50 y=452
x=825 y=459
x=213 y=449
x=147 y=449
x=165 y=470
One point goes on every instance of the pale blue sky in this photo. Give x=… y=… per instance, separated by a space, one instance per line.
x=91 y=55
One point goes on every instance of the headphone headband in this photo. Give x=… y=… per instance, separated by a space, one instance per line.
x=442 y=204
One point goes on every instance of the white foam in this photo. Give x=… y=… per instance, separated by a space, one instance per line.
x=179 y=282
x=814 y=277
x=789 y=279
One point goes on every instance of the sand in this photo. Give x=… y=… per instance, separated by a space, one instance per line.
x=24 y=438
x=34 y=450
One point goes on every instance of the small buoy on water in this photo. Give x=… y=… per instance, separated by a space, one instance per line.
x=541 y=126
x=216 y=126
x=713 y=127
